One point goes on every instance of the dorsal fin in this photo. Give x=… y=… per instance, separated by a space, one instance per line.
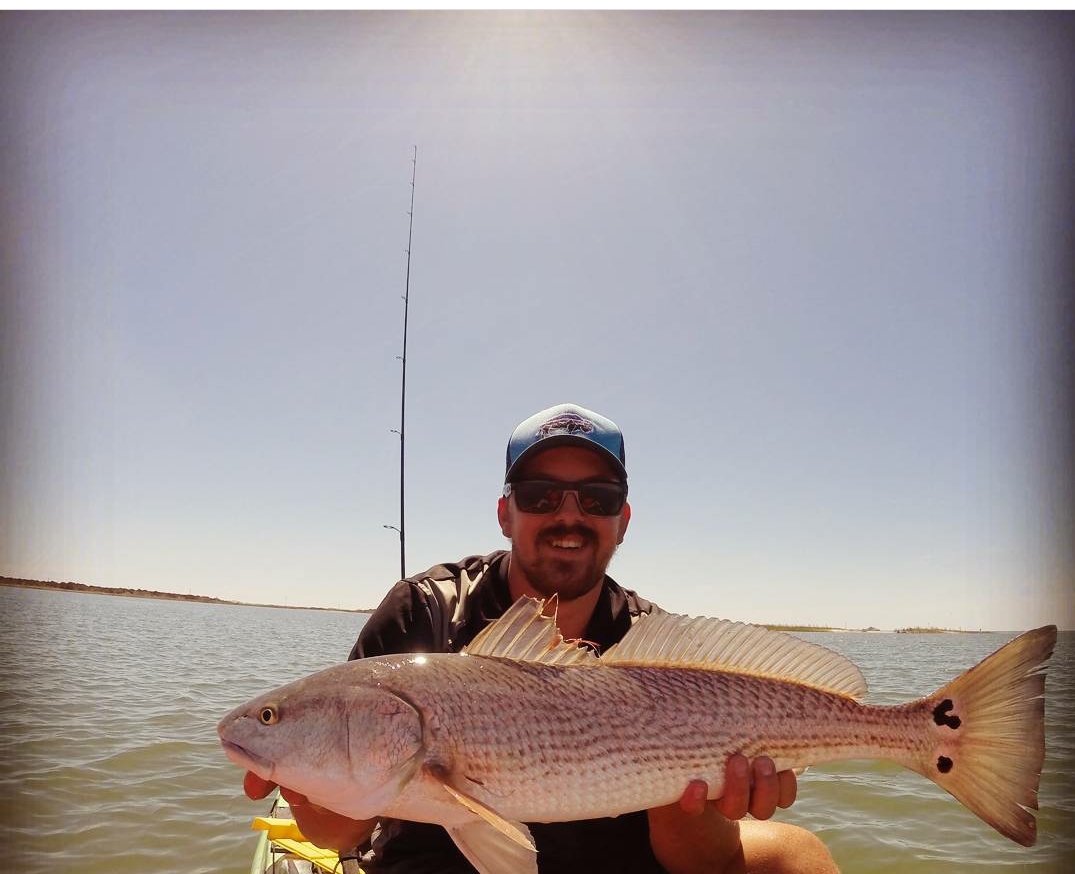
x=524 y=634
x=668 y=640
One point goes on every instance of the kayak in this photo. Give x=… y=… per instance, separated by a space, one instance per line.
x=283 y=849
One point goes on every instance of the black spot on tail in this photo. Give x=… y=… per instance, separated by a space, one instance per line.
x=941 y=717
x=944 y=764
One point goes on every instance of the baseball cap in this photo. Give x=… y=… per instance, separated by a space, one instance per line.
x=565 y=425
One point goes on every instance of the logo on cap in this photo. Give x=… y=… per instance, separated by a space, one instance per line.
x=565 y=423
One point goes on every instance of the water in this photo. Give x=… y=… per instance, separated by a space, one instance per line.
x=109 y=760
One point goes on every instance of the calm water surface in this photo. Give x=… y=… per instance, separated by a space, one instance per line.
x=110 y=761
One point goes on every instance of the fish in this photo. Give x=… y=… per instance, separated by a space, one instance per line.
x=523 y=726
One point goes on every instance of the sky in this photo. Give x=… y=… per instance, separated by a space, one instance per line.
x=814 y=265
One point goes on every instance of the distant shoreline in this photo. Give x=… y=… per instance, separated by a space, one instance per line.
x=85 y=589
x=206 y=599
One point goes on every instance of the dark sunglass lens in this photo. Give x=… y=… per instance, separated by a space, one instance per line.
x=538 y=496
x=546 y=496
x=601 y=499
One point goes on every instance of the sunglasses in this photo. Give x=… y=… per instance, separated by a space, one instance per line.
x=546 y=496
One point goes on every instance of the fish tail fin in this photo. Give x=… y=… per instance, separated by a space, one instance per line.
x=987 y=735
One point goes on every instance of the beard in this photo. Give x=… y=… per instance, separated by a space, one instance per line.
x=569 y=576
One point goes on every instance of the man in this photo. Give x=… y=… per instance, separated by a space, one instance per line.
x=565 y=511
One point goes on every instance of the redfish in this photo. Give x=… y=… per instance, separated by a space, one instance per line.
x=525 y=727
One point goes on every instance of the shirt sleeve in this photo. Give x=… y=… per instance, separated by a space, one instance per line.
x=401 y=623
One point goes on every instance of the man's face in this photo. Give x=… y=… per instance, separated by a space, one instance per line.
x=565 y=552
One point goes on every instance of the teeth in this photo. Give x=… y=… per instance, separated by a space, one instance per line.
x=567 y=544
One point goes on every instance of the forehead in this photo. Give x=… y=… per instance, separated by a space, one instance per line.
x=568 y=463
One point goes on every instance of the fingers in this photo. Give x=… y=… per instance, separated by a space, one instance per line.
x=735 y=801
x=255 y=787
x=766 y=794
x=755 y=789
x=693 y=800
x=789 y=787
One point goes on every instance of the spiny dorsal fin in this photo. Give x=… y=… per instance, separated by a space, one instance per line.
x=524 y=634
x=719 y=645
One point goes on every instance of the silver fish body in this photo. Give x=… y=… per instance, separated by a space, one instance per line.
x=543 y=743
x=525 y=728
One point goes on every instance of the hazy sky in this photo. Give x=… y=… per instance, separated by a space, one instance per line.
x=813 y=265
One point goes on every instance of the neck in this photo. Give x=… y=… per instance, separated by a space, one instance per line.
x=572 y=616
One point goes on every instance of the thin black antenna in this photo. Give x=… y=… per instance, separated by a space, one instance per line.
x=403 y=385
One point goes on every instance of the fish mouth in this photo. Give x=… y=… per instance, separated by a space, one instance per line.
x=244 y=758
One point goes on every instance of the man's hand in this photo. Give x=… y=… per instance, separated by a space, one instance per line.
x=770 y=790
x=695 y=835
x=320 y=826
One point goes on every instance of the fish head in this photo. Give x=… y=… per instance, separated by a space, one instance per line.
x=347 y=745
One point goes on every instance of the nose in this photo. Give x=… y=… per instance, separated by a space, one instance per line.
x=570 y=506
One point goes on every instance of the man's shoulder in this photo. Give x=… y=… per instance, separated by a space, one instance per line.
x=634 y=603
x=471 y=565
x=421 y=612
x=638 y=606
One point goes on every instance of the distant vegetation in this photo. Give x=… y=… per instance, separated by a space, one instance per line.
x=931 y=630
x=145 y=593
x=773 y=627
x=799 y=628
x=104 y=590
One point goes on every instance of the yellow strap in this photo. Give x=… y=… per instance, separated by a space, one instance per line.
x=285 y=834
x=278 y=828
x=324 y=860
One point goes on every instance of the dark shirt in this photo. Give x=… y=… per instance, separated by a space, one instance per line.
x=436 y=611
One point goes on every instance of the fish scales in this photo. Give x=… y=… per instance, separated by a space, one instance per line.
x=547 y=743
x=523 y=727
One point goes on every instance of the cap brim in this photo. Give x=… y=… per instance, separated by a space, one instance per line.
x=566 y=440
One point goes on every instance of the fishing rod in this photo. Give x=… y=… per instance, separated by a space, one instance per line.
x=403 y=385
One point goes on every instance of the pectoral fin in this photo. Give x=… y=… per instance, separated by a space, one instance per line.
x=491 y=852
x=492 y=844
x=513 y=831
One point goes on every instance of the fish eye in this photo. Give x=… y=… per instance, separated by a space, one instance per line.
x=268 y=715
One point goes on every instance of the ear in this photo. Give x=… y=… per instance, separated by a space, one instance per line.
x=625 y=518
x=503 y=516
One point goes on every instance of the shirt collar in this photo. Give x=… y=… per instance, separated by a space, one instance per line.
x=611 y=617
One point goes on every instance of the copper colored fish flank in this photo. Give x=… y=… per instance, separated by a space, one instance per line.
x=525 y=728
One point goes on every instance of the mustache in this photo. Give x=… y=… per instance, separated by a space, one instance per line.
x=555 y=532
